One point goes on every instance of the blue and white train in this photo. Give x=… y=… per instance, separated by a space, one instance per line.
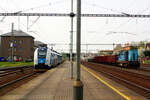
x=45 y=58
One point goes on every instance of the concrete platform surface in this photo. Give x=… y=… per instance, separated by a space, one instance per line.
x=56 y=84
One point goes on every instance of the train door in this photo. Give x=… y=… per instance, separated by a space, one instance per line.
x=126 y=56
x=132 y=55
x=51 y=59
x=135 y=55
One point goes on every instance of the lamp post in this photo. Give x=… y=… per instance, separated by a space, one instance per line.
x=78 y=85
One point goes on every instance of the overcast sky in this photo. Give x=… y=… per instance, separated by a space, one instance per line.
x=94 y=30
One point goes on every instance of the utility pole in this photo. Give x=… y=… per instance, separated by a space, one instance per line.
x=86 y=49
x=78 y=85
x=12 y=44
x=18 y=22
x=71 y=40
x=113 y=45
x=27 y=23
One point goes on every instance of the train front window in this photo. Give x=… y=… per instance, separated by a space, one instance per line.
x=42 y=54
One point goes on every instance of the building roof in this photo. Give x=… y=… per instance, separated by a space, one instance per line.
x=118 y=47
x=17 y=33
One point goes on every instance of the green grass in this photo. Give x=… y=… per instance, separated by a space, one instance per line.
x=14 y=64
x=147 y=62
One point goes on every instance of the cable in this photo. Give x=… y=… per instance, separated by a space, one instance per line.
x=34 y=22
x=3 y=9
x=132 y=18
x=112 y=32
x=4 y=16
x=109 y=9
x=113 y=10
x=42 y=6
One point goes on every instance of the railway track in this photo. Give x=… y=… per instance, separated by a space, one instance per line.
x=12 y=75
x=141 y=70
x=137 y=82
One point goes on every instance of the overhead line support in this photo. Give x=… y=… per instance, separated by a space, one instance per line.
x=72 y=14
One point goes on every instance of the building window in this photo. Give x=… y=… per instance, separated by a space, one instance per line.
x=15 y=45
x=9 y=49
x=20 y=58
x=9 y=41
x=20 y=49
x=20 y=41
x=15 y=41
x=15 y=49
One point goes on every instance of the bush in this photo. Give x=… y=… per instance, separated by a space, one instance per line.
x=147 y=62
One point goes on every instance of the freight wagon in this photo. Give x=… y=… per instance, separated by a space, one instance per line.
x=126 y=58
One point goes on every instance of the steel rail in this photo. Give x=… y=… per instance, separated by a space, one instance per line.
x=5 y=73
x=143 y=89
x=143 y=76
x=14 y=68
x=14 y=81
x=8 y=73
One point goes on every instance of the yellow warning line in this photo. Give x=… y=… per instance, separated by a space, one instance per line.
x=114 y=89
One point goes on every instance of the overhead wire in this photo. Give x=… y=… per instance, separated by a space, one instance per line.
x=132 y=18
x=108 y=9
x=44 y=5
x=3 y=16
x=37 y=7
x=114 y=10
x=3 y=9
x=34 y=22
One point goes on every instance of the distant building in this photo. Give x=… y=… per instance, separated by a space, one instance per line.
x=106 y=52
x=118 y=48
x=23 y=45
x=38 y=44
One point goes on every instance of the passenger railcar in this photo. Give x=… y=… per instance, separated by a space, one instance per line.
x=45 y=58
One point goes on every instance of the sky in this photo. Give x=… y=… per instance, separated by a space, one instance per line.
x=56 y=30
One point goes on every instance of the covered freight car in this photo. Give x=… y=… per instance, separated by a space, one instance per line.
x=112 y=59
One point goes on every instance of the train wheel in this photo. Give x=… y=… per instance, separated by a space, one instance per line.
x=125 y=65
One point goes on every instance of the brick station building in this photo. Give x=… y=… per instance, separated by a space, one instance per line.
x=23 y=45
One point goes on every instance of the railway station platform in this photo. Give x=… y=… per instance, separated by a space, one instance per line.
x=56 y=84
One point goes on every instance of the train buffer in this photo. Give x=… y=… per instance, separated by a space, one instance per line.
x=56 y=84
